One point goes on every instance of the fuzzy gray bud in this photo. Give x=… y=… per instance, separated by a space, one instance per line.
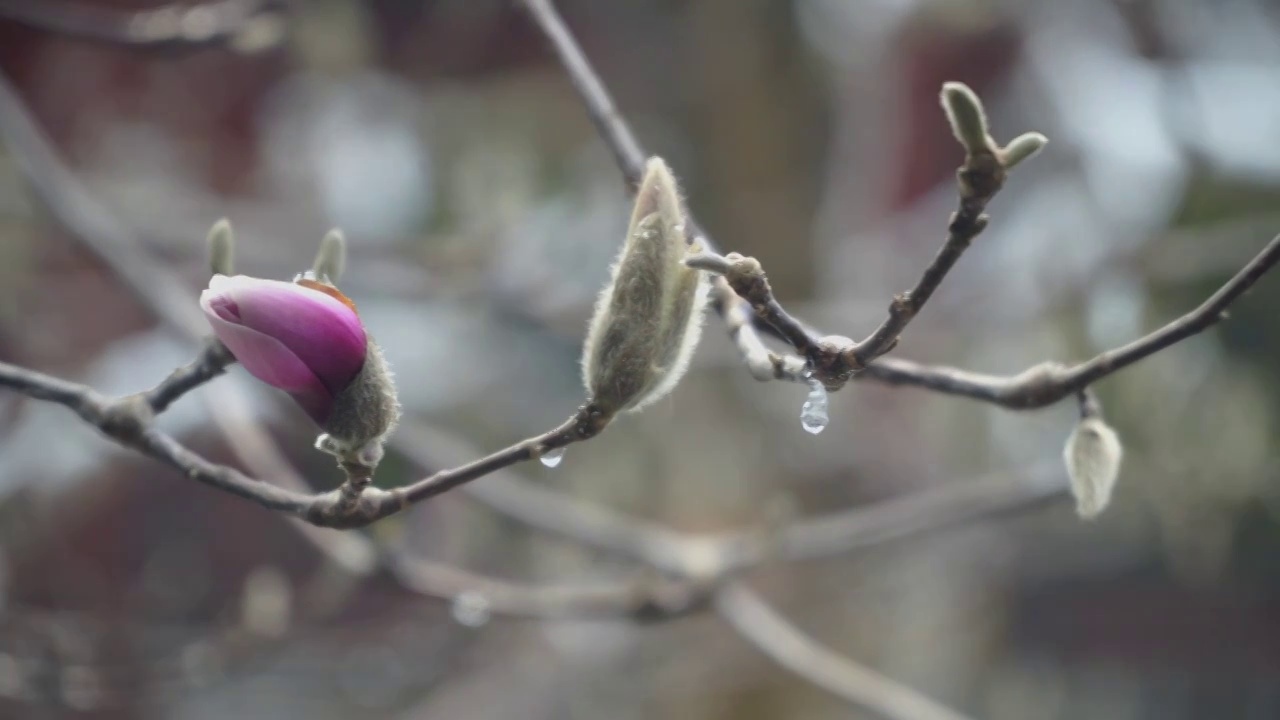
x=331 y=260
x=363 y=414
x=222 y=248
x=1021 y=148
x=1092 y=455
x=967 y=118
x=649 y=317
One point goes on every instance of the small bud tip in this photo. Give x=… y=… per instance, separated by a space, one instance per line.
x=221 y=242
x=332 y=257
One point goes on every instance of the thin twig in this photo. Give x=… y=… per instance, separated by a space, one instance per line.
x=130 y=422
x=980 y=178
x=760 y=624
x=212 y=361
x=176 y=26
x=763 y=363
x=1047 y=383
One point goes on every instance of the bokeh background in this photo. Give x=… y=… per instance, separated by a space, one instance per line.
x=482 y=213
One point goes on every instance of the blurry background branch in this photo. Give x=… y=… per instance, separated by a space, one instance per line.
x=763 y=627
x=243 y=25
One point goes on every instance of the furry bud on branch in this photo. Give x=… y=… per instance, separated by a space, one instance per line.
x=968 y=119
x=649 y=317
x=1021 y=148
x=1092 y=455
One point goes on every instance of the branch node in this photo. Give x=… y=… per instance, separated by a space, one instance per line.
x=980 y=178
x=125 y=419
x=588 y=422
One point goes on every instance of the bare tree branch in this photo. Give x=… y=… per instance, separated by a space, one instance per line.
x=763 y=627
x=1048 y=383
x=245 y=24
x=129 y=421
x=835 y=359
x=763 y=363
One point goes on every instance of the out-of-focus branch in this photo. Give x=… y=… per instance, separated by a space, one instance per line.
x=714 y=556
x=643 y=596
x=786 y=645
x=246 y=25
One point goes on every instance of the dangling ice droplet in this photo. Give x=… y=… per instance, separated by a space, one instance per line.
x=552 y=458
x=813 y=414
x=471 y=609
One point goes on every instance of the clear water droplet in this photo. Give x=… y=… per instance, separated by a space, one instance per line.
x=552 y=458
x=813 y=414
x=471 y=609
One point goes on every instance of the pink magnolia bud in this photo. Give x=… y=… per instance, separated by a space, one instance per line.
x=303 y=338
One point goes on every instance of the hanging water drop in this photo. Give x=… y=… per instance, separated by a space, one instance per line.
x=552 y=458
x=813 y=414
x=471 y=609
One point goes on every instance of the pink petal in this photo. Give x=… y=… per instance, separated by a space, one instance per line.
x=267 y=359
x=321 y=332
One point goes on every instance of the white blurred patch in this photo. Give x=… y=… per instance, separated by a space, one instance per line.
x=1116 y=306
x=1110 y=106
x=354 y=143
x=1234 y=109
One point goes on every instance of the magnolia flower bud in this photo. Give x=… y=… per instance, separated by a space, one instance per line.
x=649 y=317
x=305 y=338
x=1093 y=455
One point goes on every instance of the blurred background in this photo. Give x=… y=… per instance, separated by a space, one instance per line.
x=482 y=213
